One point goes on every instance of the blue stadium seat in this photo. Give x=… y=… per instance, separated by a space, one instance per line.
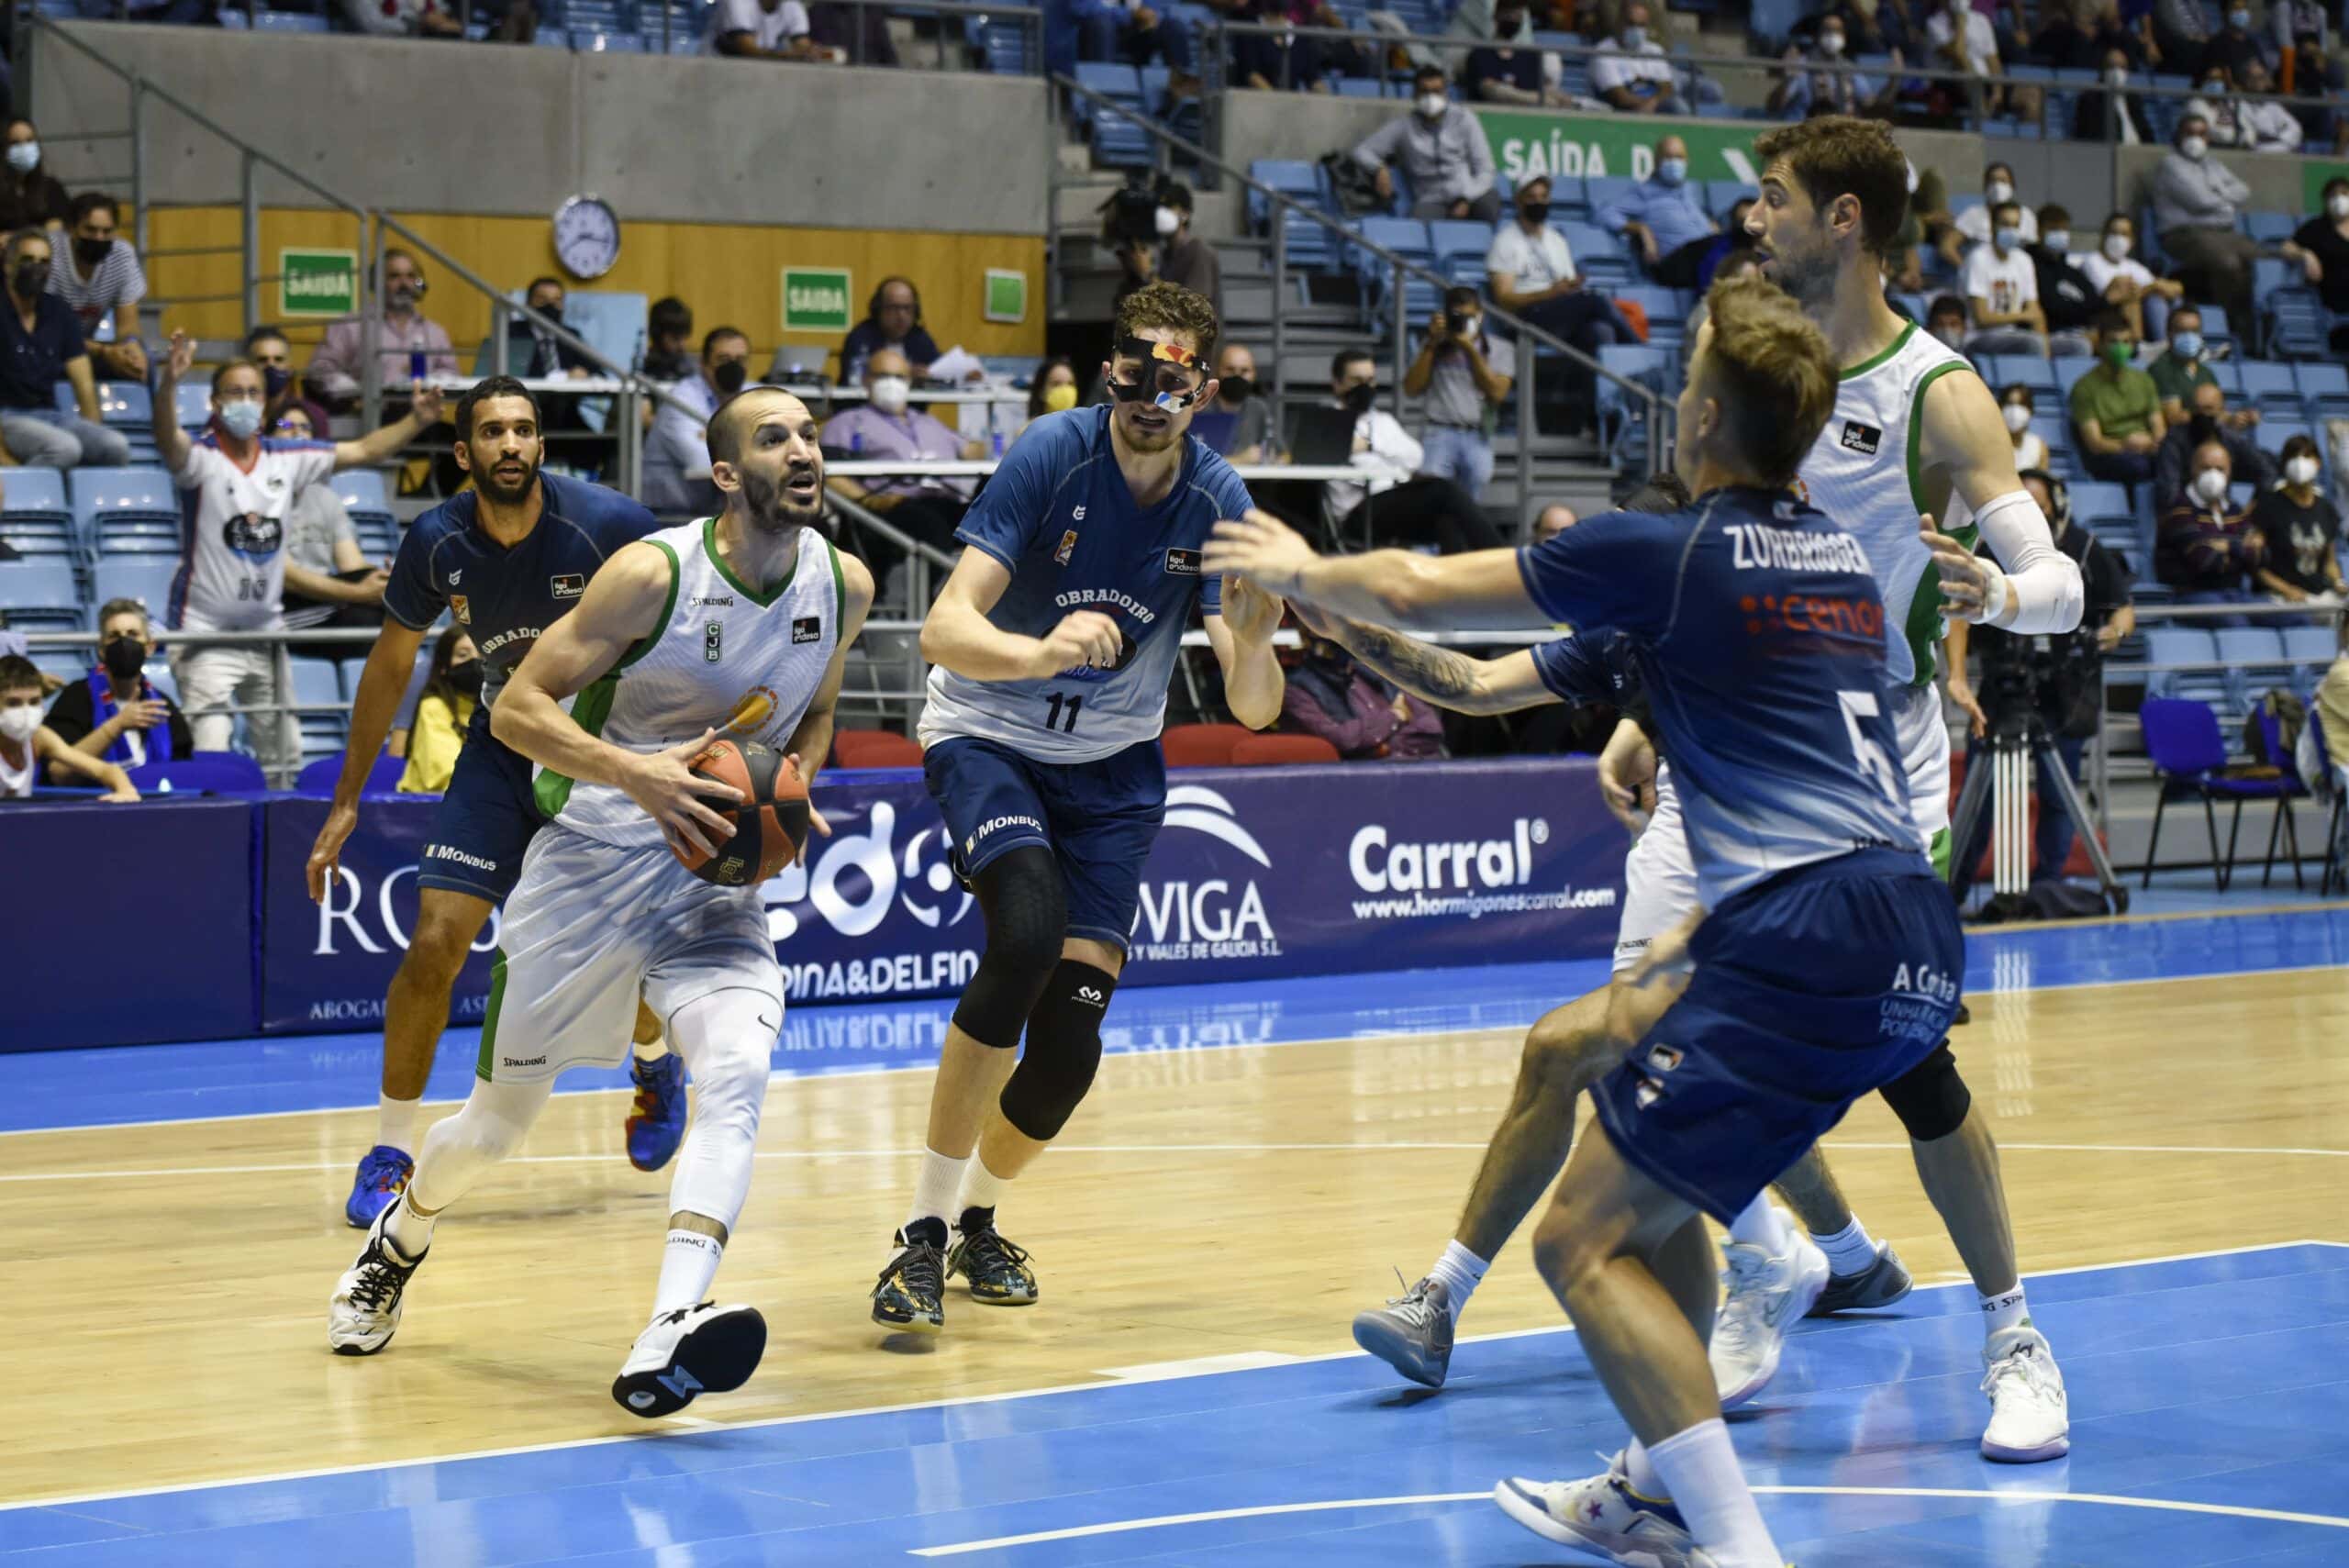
x=1460 y=246
x=145 y=578
x=1360 y=87
x=2269 y=387
x=318 y=684
x=194 y=399
x=1598 y=256
x=1601 y=191
x=1618 y=413
x=2069 y=371
x=2271 y=434
x=289 y=22
x=1667 y=317
x=2037 y=374
x=2324 y=388
x=2217 y=329
x=1301 y=182
x=2270 y=227
x=40 y=595
x=1406 y=237
x=125 y=403
x=2188 y=645
x=2258 y=657
x=133 y=509
x=2308 y=645
x=34 y=518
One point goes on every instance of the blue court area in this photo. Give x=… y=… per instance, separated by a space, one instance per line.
x=2210 y=1426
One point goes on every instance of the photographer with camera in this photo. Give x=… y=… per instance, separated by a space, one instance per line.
x=2058 y=678
x=1466 y=377
x=1149 y=223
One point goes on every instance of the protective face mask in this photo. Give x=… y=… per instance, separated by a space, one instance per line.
x=1998 y=192
x=1952 y=336
x=2239 y=19
x=730 y=376
x=1672 y=170
x=2118 y=76
x=1831 y=44
x=2116 y=246
x=1432 y=105
x=2214 y=88
x=2017 y=417
x=2194 y=147
x=1633 y=37
x=1060 y=399
x=240 y=418
x=2186 y=345
x=276 y=379
x=18 y=723
x=2058 y=240
x=2337 y=206
x=1360 y=400
x=1534 y=212
x=2201 y=428
x=30 y=279
x=124 y=657
x=2119 y=354
x=24 y=157
x=2007 y=238
x=2210 y=485
x=466 y=678
x=2300 y=470
x=91 y=253
x=890 y=392
x=1167 y=221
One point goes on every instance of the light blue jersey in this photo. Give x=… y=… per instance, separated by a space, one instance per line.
x=1059 y=517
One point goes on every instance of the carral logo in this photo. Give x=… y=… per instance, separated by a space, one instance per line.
x=1381 y=867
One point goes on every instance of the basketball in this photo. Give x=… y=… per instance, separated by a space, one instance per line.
x=770 y=820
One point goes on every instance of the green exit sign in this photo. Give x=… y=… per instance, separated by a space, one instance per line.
x=815 y=299
x=318 y=283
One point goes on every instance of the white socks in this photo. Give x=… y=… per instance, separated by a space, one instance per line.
x=395 y=1122
x=1699 y=1473
x=1639 y=1470
x=982 y=1188
x=2006 y=1310
x=408 y=1232
x=1848 y=1250
x=934 y=1189
x=687 y=1265
x=1459 y=1271
x=1760 y=1225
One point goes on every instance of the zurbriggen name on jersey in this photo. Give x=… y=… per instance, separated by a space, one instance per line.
x=1124 y=601
x=1759 y=547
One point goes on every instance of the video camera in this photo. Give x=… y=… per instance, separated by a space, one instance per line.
x=1130 y=215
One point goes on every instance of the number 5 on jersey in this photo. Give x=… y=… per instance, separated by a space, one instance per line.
x=1873 y=762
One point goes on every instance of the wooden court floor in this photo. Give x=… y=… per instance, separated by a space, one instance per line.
x=165 y=1285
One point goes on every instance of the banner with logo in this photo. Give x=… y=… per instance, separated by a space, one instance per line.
x=1599 y=145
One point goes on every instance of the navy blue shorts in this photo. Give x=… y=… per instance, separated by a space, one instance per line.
x=1098 y=818
x=485 y=821
x=1811 y=990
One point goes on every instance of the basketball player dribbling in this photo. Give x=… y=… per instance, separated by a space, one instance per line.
x=734 y=624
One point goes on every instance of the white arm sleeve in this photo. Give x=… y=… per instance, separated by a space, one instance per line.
x=2043 y=582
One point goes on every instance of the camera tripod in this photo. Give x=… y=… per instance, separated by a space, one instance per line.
x=2017 y=736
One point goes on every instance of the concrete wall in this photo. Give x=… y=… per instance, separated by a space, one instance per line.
x=503 y=130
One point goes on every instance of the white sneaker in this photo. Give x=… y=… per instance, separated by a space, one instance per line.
x=365 y=1311
x=694 y=1350
x=1602 y=1514
x=2030 y=1418
x=1767 y=1295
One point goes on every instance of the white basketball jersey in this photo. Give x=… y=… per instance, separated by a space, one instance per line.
x=723 y=658
x=1865 y=472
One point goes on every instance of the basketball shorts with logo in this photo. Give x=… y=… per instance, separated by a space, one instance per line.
x=484 y=825
x=1924 y=757
x=1811 y=990
x=1098 y=818
x=1659 y=879
x=588 y=927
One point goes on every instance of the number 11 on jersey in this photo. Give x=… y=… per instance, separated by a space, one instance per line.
x=1053 y=719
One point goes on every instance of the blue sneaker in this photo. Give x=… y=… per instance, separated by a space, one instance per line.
x=656 y=1123
x=382 y=1174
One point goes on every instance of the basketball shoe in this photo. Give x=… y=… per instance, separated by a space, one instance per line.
x=365 y=1311
x=2030 y=1416
x=1602 y=1514
x=656 y=1125
x=1767 y=1294
x=1412 y=1333
x=997 y=1269
x=382 y=1176
x=692 y=1350
x=909 y=1296
x=1878 y=1286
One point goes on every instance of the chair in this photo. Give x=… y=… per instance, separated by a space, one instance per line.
x=1406 y=237
x=1722 y=195
x=2174 y=645
x=875 y=749
x=360 y=490
x=2218 y=329
x=2334 y=873
x=2324 y=389
x=40 y=595
x=1272 y=750
x=221 y=771
x=2269 y=387
x=320 y=776
x=1598 y=256
x=2028 y=369
x=2182 y=743
x=319 y=701
x=1667 y=319
x=2271 y=228
x=145 y=578
x=1203 y=745
x=34 y=518
x=2308 y=645
x=195 y=398
x=2269 y=435
x=2068 y=372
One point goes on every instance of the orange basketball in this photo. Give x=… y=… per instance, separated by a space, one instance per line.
x=770 y=820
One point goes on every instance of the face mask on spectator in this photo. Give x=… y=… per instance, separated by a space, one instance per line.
x=1952 y=336
x=729 y=375
x=2300 y=470
x=18 y=723
x=2194 y=147
x=2214 y=87
x=24 y=157
x=1432 y=105
x=2118 y=355
x=2018 y=417
x=890 y=392
x=1634 y=37
x=1062 y=398
x=2239 y=19
x=2009 y=238
x=2201 y=428
x=1672 y=170
x=2186 y=345
x=466 y=678
x=2210 y=485
x=1360 y=400
x=2118 y=76
x=1998 y=192
x=30 y=279
x=552 y=312
x=124 y=657
x=2057 y=240
x=240 y=418
x=1831 y=44
x=92 y=252
x=2116 y=246
x=1166 y=222
x=276 y=379
x=1534 y=212
x=2337 y=206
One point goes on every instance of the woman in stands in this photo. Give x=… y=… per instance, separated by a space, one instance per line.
x=30 y=198
x=1053 y=390
x=2030 y=448
x=450 y=694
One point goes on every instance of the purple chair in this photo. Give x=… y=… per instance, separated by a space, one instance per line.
x=223 y=773
x=2182 y=741
x=320 y=776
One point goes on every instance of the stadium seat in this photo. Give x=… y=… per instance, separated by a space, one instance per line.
x=875 y=749
x=1722 y=195
x=2271 y=434
x=2271 y=228
x=2029 y=369
x=131 y=510
x=2188 y=645
x=35 y=518
x=125 y=402
x=289 y=22
x=2218 y=331
x=360 y=490
x=228 y=771
x=1203 y=745
x=40 y=595
x=318 y=686
x=2324 y=389
x=1262 y=751
x=145 y=578
x=320 y=775
x=2269 y=387
x=1599 y=257
x=194 y=400
x=2258 y=656
x=2068 y=372
x=1460 y=247
x=2309 y=645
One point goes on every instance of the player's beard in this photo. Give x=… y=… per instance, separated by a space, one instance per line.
x=501 y=489
x=1808 y=275
x=772 y=509
x=1164 y=438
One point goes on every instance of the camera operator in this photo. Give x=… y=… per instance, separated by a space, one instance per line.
x=2060 y=677
x=1151 y=226
x=1465 y=377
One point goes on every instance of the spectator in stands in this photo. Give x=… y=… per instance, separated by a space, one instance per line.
x=677 y=455
x=1661 y=216
x=2066 y=292
x=2001 y=287
x=2115 y=409
x=403 y=18
x=1971 y=226
x=1531 y=274
x=1946 y=319
x=1364 y=717
x=2091 y=111
x=856 y=34
x=1177 y=256
x=2206 y=422
x=1507 y=71
x=99 y=275
x=27 y=743
x=2186 y=367
x=2300 y=529
x=1053 y=389
x=2203 y=548
x=1464 y=376
x=1129 y=30
x=2237 y=47
x=1730 y=242
x=2320 y=248
x=1255 y=430
x=892 y=320
x=2181 y=35
x=2126 y=284
x=1442 y=151
x=29 y=196
x=1739 y=263
x=1823 y=90
x=442 y=714
x=532 y=351
x=1631 y=72
x=267 y=347
x=1403 y=509
x=2215 y=101
x=765 y=29
x=2076 y=34
x=2196 y=200
x=883 y=429
x=669 y=337
x=2262 y=125
x=115 y=713
x=2016 y=406
x=2303 y=37
x=1962 y=38
x=1552 y=521
x=40 y=345
x=405 y=334
x=328 y=579
x=1270 y=60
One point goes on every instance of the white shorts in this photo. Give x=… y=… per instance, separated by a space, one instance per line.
x=1660 y=879
x=590 y=926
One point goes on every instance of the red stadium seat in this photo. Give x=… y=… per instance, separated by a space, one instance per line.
x=1259 y=750
x=1204 y=745
x=874 y=748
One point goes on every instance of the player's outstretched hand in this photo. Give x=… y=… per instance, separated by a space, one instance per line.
x=1261 y=547
x=1250 y=614
x=1965 y=581
x=1084 y=639
x=816 y=822
x=664 y=783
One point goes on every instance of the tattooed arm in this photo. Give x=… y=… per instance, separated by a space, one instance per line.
x=1433 y=674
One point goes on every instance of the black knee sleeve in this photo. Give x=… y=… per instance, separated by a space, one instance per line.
x=1063 y=1050
x=1027 y=918
x=1931 y=1099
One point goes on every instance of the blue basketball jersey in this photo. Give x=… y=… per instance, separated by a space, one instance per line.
x=1758 y=633
x=1059 y=517
x=505 y=597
